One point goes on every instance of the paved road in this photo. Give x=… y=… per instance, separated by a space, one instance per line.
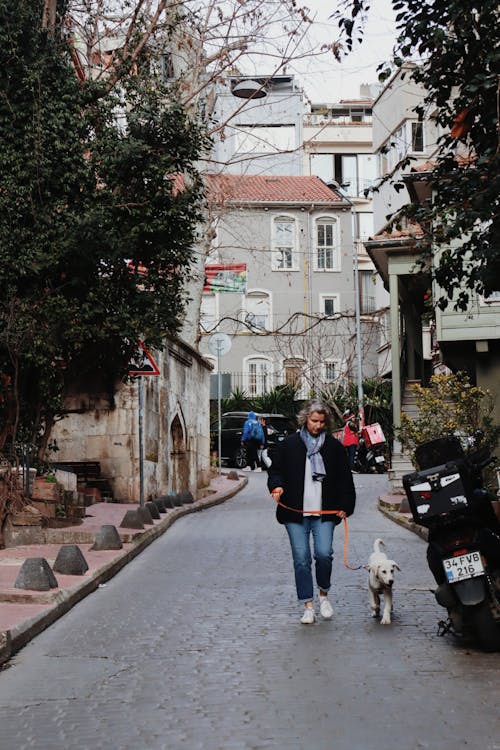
x=197 y=644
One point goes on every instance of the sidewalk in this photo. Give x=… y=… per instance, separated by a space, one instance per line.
x=26 y=613
x=396 y=508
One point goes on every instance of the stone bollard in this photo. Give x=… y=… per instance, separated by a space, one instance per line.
x=160 y=505
x=155 y=513
x=176 y=499
x=167 y=501
x=36 y=574
x=107 y=538
x=132 y=520
x=70 y=561
x=145 y=516
x=186 y=497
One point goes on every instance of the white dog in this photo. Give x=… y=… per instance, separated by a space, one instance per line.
x=380 y=581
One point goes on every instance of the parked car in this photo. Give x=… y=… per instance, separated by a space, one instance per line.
x=232 y=452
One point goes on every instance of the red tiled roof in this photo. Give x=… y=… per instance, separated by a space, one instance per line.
x=411 y=231
x=224 y=188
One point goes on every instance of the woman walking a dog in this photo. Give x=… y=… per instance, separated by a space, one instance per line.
x=310 y=473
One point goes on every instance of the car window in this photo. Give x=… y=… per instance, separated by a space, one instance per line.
x=281 y=424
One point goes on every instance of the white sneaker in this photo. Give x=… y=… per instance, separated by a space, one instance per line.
x=308 y=617
x=325 y=608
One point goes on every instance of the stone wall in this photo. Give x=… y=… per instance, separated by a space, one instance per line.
x=175 y=427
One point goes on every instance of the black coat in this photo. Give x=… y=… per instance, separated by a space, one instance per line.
x=288 y=471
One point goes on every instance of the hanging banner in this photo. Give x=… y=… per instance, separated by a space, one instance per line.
x=226 y=277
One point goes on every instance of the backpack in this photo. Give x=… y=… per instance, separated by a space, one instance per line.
x=256 y=431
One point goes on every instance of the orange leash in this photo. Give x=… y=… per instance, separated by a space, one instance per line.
x=328 y=513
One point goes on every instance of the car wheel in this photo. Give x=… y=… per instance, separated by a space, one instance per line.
x=240 y=458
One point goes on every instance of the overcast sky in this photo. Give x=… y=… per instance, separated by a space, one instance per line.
x=326 y=80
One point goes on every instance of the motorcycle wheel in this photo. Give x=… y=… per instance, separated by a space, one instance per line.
x=485 y=627
x=240 y=458
x=380 y=468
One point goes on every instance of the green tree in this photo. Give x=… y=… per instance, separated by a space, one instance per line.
x=95 y=231
x=455 y=44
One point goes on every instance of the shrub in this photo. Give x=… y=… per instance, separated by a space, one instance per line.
x=450 y=405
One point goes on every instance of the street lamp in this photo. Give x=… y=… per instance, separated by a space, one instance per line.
x=249 y=89
x=361 y=407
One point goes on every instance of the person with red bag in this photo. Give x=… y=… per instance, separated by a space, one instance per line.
x=350 y=439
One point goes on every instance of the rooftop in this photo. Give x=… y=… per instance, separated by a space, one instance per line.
x=224 y=188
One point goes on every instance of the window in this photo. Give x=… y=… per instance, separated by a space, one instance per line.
x=327 y=246
x=322 y=166
x=294 y=375
x=367 y=291
x=328 y=304
x=258 y=376
x=330 y=371
x=166 y=66
x=346 y=172
x=383 y=165
x=367 y=172
x=283 y=254
x=417 y=137
x=363 y=226
x=262 y=139
x=258 y=310
x=208 y=312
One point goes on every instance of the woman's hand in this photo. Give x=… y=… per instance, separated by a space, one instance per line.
x=341 y=514
x=277 y=493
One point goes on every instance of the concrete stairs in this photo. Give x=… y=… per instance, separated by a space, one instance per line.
x=400 y=463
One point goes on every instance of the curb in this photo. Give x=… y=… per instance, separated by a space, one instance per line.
x=14 y=639
x=403 y=520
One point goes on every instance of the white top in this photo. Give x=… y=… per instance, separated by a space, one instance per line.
x=312 y=502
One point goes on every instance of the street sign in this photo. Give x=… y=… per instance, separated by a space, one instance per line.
x=142 y=363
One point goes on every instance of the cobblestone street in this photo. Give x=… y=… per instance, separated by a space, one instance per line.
x=196 y=645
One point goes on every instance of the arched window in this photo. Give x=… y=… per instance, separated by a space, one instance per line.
x=294 y=375
x=208 y=312
x=258 y=376
x=284 y=250
x=327 y=256
x=258 y=310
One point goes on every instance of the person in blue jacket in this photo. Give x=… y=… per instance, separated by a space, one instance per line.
x=310 y=473
x=253 y=439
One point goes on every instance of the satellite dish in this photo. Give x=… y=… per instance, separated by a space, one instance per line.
x=219 y=344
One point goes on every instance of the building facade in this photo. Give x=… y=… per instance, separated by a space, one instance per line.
x=296 y=321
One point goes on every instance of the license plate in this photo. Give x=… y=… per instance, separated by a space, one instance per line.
x=379 y=459
x=463 y=567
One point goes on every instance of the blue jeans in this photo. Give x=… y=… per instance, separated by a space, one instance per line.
x=299 y=535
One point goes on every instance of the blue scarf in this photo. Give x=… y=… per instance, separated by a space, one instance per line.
x=313 y=447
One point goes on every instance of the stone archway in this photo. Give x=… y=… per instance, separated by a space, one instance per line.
x=178 y=457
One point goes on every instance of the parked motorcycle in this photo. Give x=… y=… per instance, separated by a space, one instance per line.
x=448 y=498
x=371 y=452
